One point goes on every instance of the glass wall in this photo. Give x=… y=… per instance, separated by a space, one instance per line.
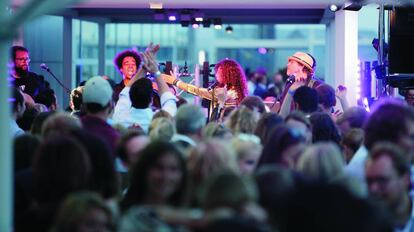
x=264 y=47
x=85 y=37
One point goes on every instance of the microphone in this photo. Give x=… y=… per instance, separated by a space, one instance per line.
x=213 y=85
x=44 y=66
x=291 y=79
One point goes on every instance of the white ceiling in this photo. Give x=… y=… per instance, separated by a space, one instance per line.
x=202 y=4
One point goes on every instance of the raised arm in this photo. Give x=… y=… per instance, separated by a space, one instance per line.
x=189 y=88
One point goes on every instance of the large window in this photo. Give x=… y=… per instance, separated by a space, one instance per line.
x=85 y=49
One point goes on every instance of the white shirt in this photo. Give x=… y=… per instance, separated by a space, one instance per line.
x=127 y=115
x=356 y=167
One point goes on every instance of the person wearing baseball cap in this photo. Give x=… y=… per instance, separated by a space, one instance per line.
x=300 y=69
x=98 y=103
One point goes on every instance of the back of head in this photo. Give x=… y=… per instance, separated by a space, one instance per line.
x=60 y=123
x=61 y=166
x=77 y=208
x=104 y=179
x=161 y=129
x=227 y=189
x=330 y=207
x=216 y=130
x=387 y=122
x=355 y=116
x=141 y=93
x=47 y=98
x=24 y=148
x=76 y=98
x=189 y=119
x=209 y=158
x=306 y=98
x=326 y=96
x=322 y=162
x=254 y=103
x=353 y=139
x=323 y=128
x=280 y=138
x=266 y=123
x=38 y=122
x=242 y=120
x=97 y=94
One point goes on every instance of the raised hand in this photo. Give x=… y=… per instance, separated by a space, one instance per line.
x=153 y=49
x=150 y=64
x=298 y=83
x=221 y=94
x=341 y=92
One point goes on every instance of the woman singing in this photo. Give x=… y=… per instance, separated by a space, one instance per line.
x=230 y=88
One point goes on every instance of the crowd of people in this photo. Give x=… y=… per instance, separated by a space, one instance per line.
x=277 y=157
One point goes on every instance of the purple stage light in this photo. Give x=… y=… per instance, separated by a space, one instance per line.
x=172 y=18
x=262 y=50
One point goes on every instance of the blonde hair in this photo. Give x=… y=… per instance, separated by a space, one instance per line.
x=215 y=130
x=242 y=120
x=161 y=129
x=228 y=189
x=244 y=143
x=322 y=161
x=209 y=157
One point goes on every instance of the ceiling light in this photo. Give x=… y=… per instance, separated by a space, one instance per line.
x=333 y=7
x=155 y=5
x=229 y=29
x=198 y=16
x=172 y=16
x=217 y=24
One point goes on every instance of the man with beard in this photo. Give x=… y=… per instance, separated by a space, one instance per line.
x=29 y=82
x=387 y=172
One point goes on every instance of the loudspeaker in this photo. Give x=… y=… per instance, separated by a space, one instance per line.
x=401 y=41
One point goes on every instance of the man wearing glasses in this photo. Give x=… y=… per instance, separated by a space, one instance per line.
x=29 y=82
x=388 y=180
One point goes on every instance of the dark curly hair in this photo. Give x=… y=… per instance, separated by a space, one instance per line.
x=234 y=77
x=120 y=57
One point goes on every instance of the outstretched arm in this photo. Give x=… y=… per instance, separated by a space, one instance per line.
x=189 y=88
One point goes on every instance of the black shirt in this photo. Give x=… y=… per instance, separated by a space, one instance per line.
x=31 y=84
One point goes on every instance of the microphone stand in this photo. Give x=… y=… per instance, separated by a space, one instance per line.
x=60 y=83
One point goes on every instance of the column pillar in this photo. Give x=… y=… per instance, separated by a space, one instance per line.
x=346 y=52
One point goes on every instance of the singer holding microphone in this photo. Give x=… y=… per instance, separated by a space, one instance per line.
x=229 y=89
x=300 y=69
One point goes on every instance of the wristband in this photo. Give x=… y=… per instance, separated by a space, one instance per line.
x=175 y=82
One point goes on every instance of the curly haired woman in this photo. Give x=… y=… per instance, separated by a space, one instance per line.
x=230 y=87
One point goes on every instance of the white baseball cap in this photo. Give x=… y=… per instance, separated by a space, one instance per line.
x=97 y=90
